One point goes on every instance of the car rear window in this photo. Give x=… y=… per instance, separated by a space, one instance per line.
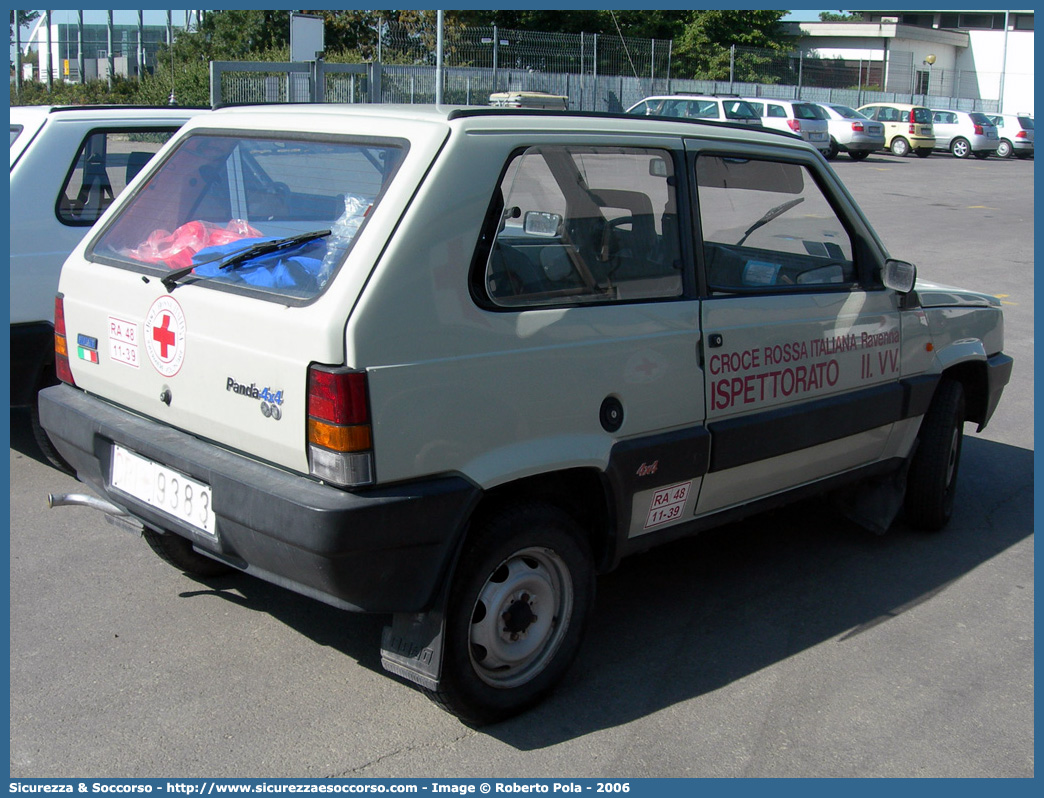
x=808 y=111
x=1026 y=122
x=922 y=116
x=980 y=119
x=216 y=195
x=849 y=113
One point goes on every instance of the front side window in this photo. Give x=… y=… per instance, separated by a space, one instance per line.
x=582 y=225
x=274 y=215
x=767 y=227
x=105 y=163
x=738 y=109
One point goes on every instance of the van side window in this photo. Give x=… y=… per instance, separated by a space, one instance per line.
x=582 y=225
x=105 y=163
x=767 y=227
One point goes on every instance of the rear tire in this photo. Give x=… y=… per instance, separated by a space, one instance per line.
x=516 y=613
x=982 y=155
x=932 y=480
x=923 y=153
x=960 y=148
x=900 y=146
x=859 y=155
x=1004 y=149
x=44 y=443
x=177 y=551
x=832 y=152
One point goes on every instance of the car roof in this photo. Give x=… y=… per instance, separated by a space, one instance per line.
x=329 y=118
x=905 y=106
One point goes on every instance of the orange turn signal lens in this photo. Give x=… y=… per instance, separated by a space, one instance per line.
x=339 y=439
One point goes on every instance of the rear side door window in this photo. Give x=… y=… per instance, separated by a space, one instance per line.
x=105 y=163
x=572 y=225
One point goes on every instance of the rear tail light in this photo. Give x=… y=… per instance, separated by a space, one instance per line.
x=1021 y=134
x=977 y=130
x=857 y=127
x=795 y=125
x=913 y=128
x=61 y=343
x=340 y=436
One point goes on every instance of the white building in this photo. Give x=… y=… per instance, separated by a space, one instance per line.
x=85 y=38
x=971 y=55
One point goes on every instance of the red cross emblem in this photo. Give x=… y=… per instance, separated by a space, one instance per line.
x=164 y=336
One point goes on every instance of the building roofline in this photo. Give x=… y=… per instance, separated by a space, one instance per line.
x=876 y=30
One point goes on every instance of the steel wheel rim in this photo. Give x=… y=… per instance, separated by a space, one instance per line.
x=520 y=617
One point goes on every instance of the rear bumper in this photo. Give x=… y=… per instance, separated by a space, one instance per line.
x=381 y=550
x=862 y=144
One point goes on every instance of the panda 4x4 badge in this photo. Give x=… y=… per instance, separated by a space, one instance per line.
x=165 y=336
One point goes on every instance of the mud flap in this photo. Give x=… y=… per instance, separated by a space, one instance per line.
x=874 y=504
x=412 y=646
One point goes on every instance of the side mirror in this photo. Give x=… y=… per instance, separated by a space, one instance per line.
x=899 y=275
x=541 y=223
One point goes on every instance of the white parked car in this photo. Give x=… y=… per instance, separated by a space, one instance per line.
x=803 y=119
x=965 y=133
x=67 y=166
x=450 y=364
x=1016 y=135
x=697 y=106
x=852 y=132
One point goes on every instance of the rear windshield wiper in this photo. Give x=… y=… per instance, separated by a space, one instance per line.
x=245 y=254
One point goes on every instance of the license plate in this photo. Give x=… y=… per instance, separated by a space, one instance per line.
x=991 y=135
x=162 y=488
x=817 y=136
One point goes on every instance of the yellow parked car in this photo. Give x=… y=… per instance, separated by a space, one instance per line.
x=907 y=127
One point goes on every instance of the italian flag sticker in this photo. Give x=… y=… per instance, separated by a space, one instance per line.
x=87 y=354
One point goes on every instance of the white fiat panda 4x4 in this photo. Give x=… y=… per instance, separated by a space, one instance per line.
x=451 y=364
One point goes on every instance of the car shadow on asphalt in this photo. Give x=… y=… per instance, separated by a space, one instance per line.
x=688 y=618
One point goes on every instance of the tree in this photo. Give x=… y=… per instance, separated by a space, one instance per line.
x=702 y=49
x=840 y=16
x=21 y=18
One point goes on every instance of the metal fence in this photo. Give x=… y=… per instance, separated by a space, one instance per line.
x=814 y=81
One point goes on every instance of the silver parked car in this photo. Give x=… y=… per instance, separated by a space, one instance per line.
x=852 y=132
x=806 y=120
x=1016 y=135
x=965 y=133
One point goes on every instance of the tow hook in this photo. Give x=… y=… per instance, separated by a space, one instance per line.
x=113 y=514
